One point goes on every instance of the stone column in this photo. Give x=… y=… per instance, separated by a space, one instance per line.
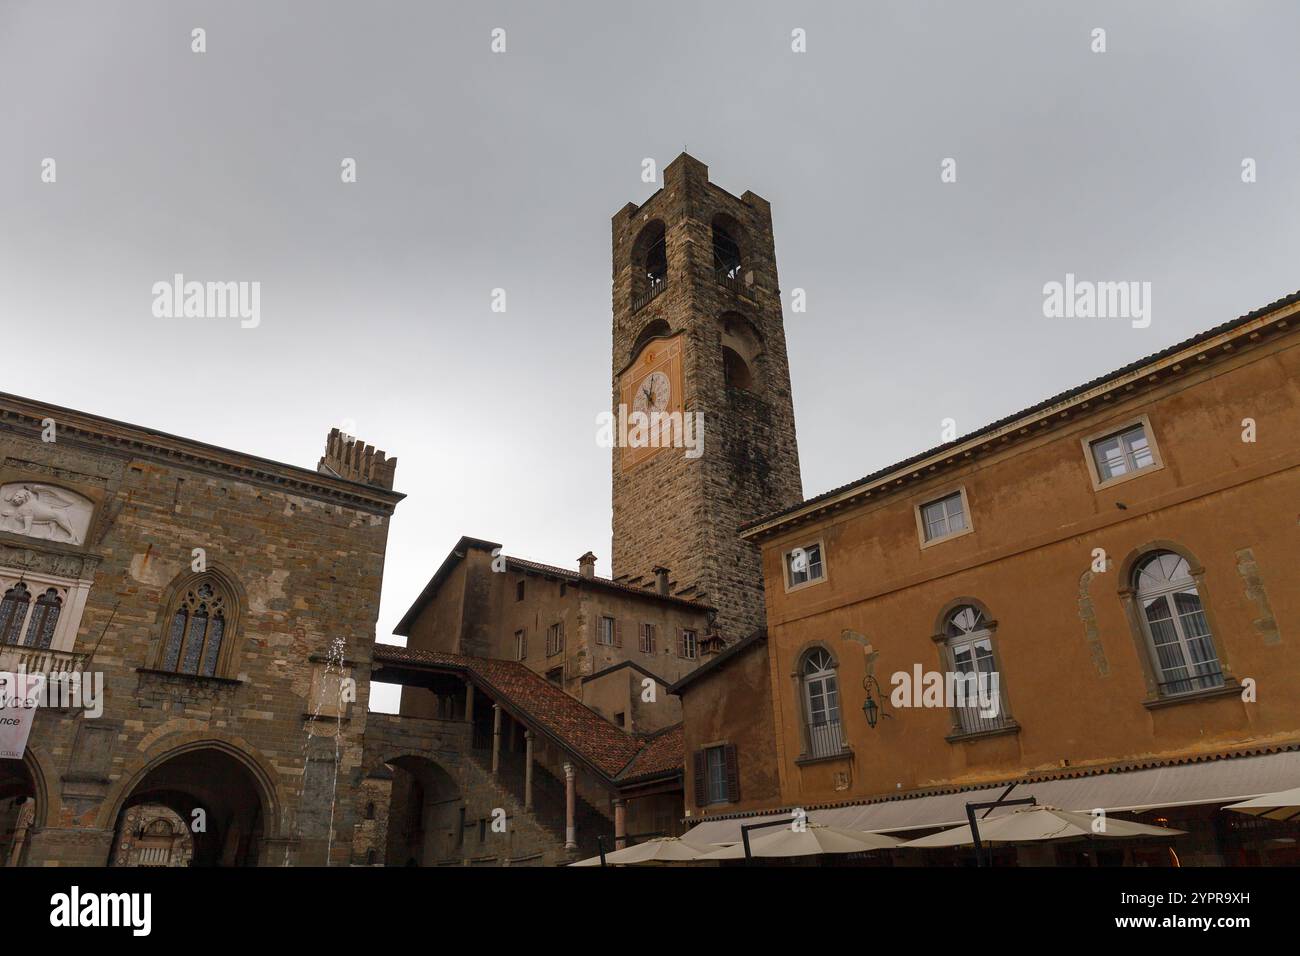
x=528 y=769
x=469 y=704
x=620 y=823
x=570 y=793
x=496 y=738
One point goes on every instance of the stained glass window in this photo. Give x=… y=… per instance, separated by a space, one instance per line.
x=45 y=617
x=13 y=612
x=196 y=631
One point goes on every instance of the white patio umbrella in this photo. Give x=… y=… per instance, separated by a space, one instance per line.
x=811 y=840
x=1283 y=805
x=1034 y=823
x=658 y=850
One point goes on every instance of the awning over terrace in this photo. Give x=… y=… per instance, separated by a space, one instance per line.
x=1188 y=784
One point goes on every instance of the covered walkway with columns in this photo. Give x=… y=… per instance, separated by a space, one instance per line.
x=572 y=777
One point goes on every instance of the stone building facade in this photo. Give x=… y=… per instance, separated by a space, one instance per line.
x=221 y=601
x=698 y=329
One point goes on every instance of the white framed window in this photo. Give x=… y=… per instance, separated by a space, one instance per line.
x=822 y=703
x=804 y=565
x=1173 y=619
x=943 y=518
x=1121 y=453
x=647 y=642
x=715 y=760
x=38 y=613
x=521 y=645
x=969 y=640
x=688 y=648
x=555 y=639
x=605 y=631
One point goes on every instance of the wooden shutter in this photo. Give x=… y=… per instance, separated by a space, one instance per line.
x=733 y=774
x=701 y=779
x=618 y=633
x=681 y=643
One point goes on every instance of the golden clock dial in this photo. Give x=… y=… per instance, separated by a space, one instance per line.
x=652 y=394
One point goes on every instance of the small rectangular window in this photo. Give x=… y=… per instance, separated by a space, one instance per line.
x=647 y=638
x=621 y=719
x=519 y=590
x=716 y=770
x=556 y=676
x=804 y=565
x=605 y=632
x=1122 y=453
x=521 y=646
x=942 y=518
x=555 y=639
x=689 y=644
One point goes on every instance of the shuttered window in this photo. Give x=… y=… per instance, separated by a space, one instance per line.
x=717 y=775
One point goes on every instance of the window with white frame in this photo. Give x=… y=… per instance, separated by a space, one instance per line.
x=804 y=565
x=521 y=645
x=689 y=645
x=970 y=644
x=944 y=517
x=716 y=773
x=1174 y=621
x=40 y=612
x=1122 y=453
x=647 y=639
x=605 y=631
x=822 y=700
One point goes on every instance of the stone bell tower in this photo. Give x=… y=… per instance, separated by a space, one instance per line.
x=698 y=330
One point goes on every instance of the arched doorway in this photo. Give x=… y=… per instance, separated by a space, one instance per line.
x=213 y=793
x=426 y=817
x=18 y=806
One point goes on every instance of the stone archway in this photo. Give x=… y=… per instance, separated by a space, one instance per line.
x=218 y=792
x=426 y=813
x=22 y=806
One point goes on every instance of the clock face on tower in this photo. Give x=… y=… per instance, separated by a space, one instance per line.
x=651 y=384
x=652 y=394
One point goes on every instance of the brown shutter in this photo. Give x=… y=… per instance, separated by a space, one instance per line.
x=681 y=643
x=701 y=779
x=618 y=633
x=733 y=774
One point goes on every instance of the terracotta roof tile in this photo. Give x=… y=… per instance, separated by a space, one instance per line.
x=663 y=753
x=574 y=725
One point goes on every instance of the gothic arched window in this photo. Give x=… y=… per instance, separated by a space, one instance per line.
x=13 y=613
x=1173 y=619
x=197 y=627
x=44 y=619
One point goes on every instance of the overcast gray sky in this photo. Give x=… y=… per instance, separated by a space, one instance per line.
x=479 y=170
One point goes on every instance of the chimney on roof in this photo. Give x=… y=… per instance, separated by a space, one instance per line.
x=347 y=457
x=661 y=580
x=587 y=565
x=712 y=643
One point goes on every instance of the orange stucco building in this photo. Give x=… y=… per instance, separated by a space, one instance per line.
x=1116 y=565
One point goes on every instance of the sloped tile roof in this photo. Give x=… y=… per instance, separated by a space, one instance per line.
x=576 y=727
x=663 y=754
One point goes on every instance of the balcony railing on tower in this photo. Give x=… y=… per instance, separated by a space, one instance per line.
x=655 y=285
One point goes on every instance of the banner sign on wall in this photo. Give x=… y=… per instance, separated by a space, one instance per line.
x=20 y=695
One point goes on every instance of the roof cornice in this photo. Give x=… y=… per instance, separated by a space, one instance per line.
x=26 y=415
x=1141 y=376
